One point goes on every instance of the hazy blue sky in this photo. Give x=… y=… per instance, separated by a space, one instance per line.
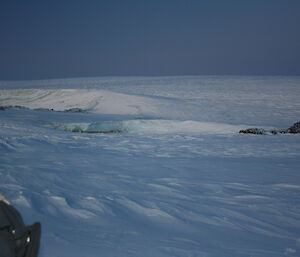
x=60 y=38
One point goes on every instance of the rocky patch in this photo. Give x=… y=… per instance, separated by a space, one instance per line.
x=295 y=129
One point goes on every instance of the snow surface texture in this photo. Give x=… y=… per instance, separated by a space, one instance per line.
x=161 y=170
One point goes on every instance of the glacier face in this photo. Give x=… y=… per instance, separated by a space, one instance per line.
x=177 y=181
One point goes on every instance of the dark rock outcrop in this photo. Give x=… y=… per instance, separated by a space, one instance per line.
x=6 y=107
x=295 y=129
x=75 y=110
x=256 y=131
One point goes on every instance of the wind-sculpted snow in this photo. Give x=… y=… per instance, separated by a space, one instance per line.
x=163 y=173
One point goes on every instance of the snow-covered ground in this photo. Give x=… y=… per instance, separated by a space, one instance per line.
x=161 y=169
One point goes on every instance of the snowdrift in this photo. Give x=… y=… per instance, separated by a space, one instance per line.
x=96 y=101
x=149 y=126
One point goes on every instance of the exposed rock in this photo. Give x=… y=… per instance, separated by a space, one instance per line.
x=75 y=110
x=256 y=131
x=6 y=107
x=274 y=131
x=294 y=129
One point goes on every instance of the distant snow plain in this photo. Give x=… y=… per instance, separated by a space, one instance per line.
x=154 y=166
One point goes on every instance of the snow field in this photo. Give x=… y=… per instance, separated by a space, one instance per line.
x=179 y=181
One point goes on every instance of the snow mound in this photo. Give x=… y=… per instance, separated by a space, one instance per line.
x=96 y=101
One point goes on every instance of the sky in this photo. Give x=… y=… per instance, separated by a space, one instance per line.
x=80 y=38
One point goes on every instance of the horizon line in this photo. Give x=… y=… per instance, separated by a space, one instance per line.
x=149 y=76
